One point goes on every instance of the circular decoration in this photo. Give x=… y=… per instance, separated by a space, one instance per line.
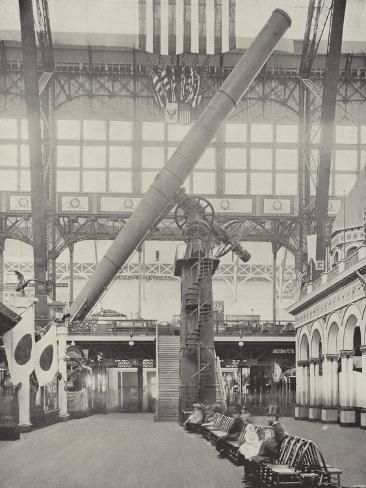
x=128 y=203
x=75 y=203
x=225 y=204
x=23 y=202
x=277 y=205
x=23 y=350
x=45 y=361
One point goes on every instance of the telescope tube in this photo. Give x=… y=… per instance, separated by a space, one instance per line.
x=172 y=176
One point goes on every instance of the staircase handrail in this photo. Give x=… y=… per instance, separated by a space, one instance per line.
x=221 y=381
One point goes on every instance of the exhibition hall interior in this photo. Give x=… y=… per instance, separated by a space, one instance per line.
x=182 y=243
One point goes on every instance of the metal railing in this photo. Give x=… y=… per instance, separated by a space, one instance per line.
x=327 y=277
x=237 y=328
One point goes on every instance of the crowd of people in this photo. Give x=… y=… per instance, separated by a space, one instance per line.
x=252 y=449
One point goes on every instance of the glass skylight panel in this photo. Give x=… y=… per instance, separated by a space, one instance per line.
x=235 y=132
x=68 y=156
x=120 y=181
x=153 y=131
x=94 y=181
x=24 y=155
x=287 y=159
x=260 y=184
x=236 y=183
x=8 y=155
x=287 y=133
x=25 y=181
x=345 y=160
x=261 y=159
x=346 y=134
x=94 y=156
x=68 y=129
x=177 y=132
x=94 y=130
x=8 y=180
x=204 y=182
x=286 y=184
x=235 y=158
x=261 y=132
x=8 y=128
x=120 y=130
x=120 y=156
x=153 y=157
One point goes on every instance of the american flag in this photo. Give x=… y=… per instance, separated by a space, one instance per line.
x=157 y=86
x=191 y=26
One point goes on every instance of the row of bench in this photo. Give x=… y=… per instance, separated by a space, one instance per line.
x=300 y=462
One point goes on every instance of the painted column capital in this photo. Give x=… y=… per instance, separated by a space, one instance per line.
x=347 y=353
x=331 y=357
x=302 y=363
x=314 y=360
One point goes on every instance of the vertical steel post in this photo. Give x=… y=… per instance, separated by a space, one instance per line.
x=328 y=125
x=2 y=246
x=71 y=266
x=32 y=102
x=274 y=282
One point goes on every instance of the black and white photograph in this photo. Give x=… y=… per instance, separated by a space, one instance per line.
x=182 y=244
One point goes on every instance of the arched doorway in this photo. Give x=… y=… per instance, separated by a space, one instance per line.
x=332 y=372
x=302 y=378
x=315 y=372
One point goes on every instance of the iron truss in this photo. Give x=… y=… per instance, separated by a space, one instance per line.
x=273 y=96
x=242 y=273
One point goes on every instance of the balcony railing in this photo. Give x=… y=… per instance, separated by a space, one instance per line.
x=235 y=328
x=333 y=274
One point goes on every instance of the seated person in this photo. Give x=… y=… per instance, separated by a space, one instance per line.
x=269 y=449
x=234 y=431
x=194 y=421
x=251 y=445
x=209 y=417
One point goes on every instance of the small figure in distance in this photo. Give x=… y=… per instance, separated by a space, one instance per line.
x=194 y=422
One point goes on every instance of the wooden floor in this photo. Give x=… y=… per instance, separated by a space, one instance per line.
x=133 y=451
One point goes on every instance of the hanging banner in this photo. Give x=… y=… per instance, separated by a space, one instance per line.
x=20 y=348
x=46 y=364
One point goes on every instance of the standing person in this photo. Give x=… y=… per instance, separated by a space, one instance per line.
x=233 y=433
x=195 y=420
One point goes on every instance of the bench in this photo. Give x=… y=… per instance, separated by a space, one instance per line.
x=231 y=448
x=220 y=428
x=300 y=463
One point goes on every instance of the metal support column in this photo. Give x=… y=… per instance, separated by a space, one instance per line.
x=2 y=246
x=327 y=126
x=139 y=294
x=274 y=280
x=32 y=102
x=71 y=266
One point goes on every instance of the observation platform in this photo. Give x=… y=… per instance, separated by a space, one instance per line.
x=133 y=451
